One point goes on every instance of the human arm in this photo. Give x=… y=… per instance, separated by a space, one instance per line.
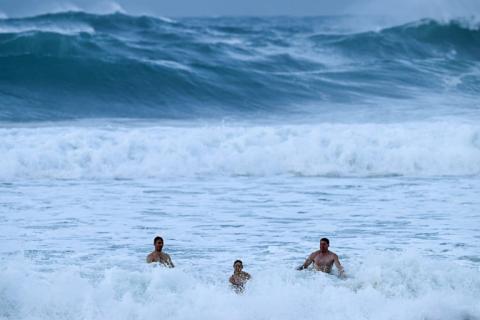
x=307 y=262
x=341 y=271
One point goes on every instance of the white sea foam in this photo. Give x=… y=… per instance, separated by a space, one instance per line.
x=166 y=19
x=412 y=149
x=391 y=288
x=68 y=29
x=169 y=64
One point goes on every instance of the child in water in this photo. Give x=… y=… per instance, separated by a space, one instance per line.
x=239 y=277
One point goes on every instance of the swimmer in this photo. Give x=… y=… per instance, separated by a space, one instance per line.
x=323 y=259
x=158 y=256
x=239 y=277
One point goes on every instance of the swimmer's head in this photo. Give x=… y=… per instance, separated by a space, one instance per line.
x=158 y=243
x=238 y=265
x=324 y=244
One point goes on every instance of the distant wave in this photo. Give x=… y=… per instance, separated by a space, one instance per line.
x=79 y=65
x=417 y=40
x=364 y=150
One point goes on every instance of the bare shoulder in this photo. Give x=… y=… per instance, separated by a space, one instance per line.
x=150 y=257
x=334 y=255
x=313 y=255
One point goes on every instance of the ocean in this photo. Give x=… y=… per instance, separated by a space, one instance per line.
x=239 y=138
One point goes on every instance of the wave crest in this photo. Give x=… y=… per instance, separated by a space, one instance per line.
x=78 y=65
x=412 y=149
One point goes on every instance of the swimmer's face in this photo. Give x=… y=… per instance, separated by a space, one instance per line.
x=238 y=266
x=158 y=245
x=323 y=246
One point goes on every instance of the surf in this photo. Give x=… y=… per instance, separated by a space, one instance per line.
x=399 y=287
x=134 y=151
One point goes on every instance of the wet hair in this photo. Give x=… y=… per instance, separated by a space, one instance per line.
x=156 y=239
x=326 y=240
x=236 y=261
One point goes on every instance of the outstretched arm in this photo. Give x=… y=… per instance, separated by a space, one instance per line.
x=341 y=271
x=306 y=263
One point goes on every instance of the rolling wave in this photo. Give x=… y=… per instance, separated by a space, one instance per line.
x=78 y=65
x=340 y=150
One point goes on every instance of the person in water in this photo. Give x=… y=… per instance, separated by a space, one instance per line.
x=239 y=277
x=323 y=259
x=158 y=256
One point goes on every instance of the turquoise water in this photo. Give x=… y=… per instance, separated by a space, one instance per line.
x=76 y=65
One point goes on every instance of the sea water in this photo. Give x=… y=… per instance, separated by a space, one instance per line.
x=238 y=138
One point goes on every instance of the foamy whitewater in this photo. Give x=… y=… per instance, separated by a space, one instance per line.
x=239 y=138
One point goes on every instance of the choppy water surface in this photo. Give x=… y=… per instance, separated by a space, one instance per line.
x=403 y=241
x=232 y=138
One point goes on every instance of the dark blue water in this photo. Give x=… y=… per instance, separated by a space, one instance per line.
x=78 y=65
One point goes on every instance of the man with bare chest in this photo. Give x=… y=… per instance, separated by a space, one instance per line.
x=158 y=256
x=323 y=259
